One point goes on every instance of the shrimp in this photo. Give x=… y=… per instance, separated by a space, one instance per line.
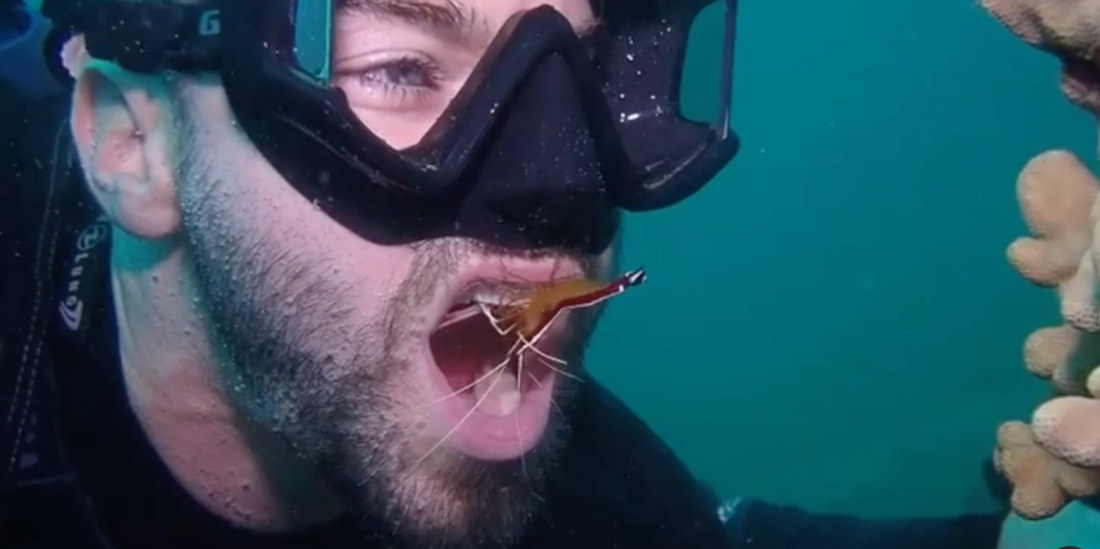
x=529 y=318
x=534 y=312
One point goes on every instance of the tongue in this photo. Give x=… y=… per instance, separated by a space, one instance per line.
x=498 y=393
x=491 y=419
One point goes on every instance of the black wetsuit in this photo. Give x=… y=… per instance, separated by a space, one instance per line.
x=76 y=470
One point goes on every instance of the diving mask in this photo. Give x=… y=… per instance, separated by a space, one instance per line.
x=549 y=139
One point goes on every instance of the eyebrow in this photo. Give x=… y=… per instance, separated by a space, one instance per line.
x=449 y=18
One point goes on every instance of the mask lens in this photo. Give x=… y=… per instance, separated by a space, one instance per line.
x=659 y=93
x=702 y=83
x=313 y=38
x=413 y=76
x=399 y=72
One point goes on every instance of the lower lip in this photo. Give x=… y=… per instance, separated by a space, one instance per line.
x=485 y=436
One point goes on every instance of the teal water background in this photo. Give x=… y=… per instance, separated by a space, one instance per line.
x=832 y=322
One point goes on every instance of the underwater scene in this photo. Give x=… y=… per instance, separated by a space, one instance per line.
x=888 y=303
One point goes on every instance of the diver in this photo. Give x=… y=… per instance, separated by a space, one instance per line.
x=235 y=247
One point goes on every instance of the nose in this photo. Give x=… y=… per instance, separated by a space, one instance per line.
x=542 y=183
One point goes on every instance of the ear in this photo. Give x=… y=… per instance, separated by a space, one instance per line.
x=120 y=123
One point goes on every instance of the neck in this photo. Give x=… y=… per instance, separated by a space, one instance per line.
x=232 y=466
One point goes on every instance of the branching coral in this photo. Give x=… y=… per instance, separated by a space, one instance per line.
x=1042 y=483
x=1057 y=457
x=1056 y=195
x=1070 y=29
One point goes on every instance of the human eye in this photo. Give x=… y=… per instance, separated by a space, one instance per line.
x=398 y=81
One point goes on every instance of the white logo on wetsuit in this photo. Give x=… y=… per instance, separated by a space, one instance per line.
x=728 y=509
x=71 y=306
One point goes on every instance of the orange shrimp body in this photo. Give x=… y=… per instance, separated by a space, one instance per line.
x=528 y=314
x=534 y=312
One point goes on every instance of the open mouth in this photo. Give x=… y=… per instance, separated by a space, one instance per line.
x=494 y=356
x=493 y=392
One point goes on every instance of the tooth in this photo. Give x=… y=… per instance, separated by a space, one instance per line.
x=501 y=396
x=489 y=297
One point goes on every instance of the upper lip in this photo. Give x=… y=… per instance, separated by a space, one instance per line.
x=505 y=271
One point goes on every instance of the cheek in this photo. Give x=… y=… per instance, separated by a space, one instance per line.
x=368 y=273
x=284 y=221
x=576 y=11
x=399 y=130
x=372 y=273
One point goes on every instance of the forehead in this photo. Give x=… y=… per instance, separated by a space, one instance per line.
x=461 y=17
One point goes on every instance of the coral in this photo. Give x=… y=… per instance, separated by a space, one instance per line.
x=1067 y=428
x=1057 y=194
x=1057 y=457
x=1064 y=355
x=1042 y=483
x=1069 y=29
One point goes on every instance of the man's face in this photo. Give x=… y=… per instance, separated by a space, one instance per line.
x=331 y=341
